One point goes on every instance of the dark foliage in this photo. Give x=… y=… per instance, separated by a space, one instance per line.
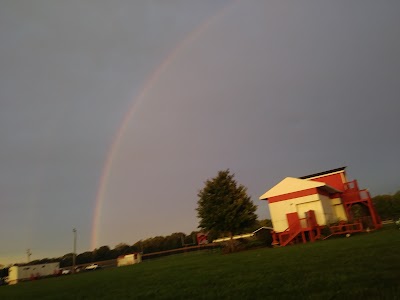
x=387 y=206
x=224 y=206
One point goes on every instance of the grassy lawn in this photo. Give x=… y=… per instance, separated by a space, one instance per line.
x=364 y=266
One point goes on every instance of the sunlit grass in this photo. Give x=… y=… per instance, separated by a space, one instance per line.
x=362 y=266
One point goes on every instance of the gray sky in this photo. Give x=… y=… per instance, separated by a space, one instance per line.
x=268 y=89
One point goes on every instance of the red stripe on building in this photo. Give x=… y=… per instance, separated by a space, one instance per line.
x=293 y=195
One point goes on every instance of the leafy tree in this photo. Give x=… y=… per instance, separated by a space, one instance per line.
x=139 y=246
x=191 y=239
x=154 y=244
x=120 y=249
x=261 y=223
x=265 y=223
x=133 y=249
x=66 y=260
x=224 y=206
x=84 y=258
x=173 y=241
x=3 y=272
x=387 y=206
x=103 y=253
x=396 y=204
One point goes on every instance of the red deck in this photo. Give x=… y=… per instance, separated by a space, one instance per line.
x=352 y=195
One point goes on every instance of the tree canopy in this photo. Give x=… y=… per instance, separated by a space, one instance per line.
x=387 y=206
x=224 y=206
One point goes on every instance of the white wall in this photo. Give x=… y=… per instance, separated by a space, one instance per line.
x=326 y=210
x=338 y=209
x=129 y=259
x=279 y=210
x=17 y=273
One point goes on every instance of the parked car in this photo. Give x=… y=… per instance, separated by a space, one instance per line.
x=92 y=267
x=65 y=272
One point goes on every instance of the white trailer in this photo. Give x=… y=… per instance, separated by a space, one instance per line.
x=18 y=273
x=129 y=259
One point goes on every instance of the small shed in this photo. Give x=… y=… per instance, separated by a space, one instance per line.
x=129 y=259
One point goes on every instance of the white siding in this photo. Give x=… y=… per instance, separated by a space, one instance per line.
x=129 y=259
x=17 y=273
x=326 y=210
x=279 y=210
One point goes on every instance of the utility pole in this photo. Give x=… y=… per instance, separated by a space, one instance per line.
x=74 y=251
x=29 y=253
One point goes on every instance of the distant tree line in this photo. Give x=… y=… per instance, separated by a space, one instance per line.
x=150 y=245
x=387 y=206
x=155 y=244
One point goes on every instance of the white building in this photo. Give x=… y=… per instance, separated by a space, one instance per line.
x=302 y=206
x=18 y=273
x=129 y=259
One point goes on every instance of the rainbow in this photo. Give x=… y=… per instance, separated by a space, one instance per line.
x=149 y=83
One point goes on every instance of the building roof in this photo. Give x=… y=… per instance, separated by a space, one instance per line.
x=323 y=173
x=291 y=185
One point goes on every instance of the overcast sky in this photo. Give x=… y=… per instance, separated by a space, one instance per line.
x=268 y=89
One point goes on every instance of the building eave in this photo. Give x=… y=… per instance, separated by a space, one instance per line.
x=333 y=171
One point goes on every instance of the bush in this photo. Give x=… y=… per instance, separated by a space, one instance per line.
x=244 y=244
x=325 y=231
x=398 y=223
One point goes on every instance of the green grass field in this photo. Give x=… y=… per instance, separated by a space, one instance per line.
x=364 y=266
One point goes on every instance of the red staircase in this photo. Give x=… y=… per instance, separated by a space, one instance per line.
x=296 y=233
x=292 y=231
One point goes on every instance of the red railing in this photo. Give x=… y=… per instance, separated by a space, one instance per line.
x=346 y=228
x=355 y=196
x=351 y=186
